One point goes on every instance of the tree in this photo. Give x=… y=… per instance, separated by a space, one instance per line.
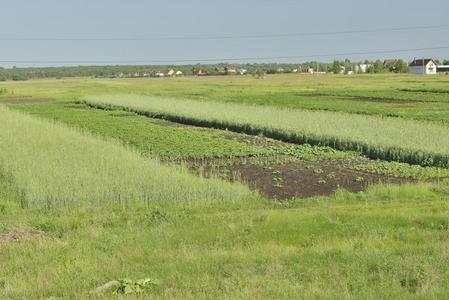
x=336 y=67
x=259 y=74
x=400 y=66
x=445 y=62
x=378 y=66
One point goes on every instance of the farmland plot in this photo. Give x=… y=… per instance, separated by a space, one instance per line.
x=51 y=164
x=381 y=138
x=275 y=169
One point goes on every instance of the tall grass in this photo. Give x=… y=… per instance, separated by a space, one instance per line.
x=51 y=164
x=384 y=138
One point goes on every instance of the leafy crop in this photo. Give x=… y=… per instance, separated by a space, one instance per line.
x=381 y=138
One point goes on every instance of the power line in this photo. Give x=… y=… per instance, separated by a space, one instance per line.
x=228 y=37
x=260 y=58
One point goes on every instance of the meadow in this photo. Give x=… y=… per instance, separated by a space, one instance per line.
x=89 y=196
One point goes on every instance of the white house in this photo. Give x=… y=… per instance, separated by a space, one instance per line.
x=242 y=71
x=423 y=66
x=362 y=68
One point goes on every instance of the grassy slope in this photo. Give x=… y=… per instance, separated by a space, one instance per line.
x=388 y=243
x=430 y=103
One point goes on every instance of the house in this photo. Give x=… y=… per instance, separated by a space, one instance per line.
x=362 y=68
x=242 y=71
x=230 y=71
x=390 y=63
x=157 y=74
x=170 y=73
x=443 y=69
x=179 y=73
x=308 y=70
x=199 y=72
x=423 y=66
x=280 y=70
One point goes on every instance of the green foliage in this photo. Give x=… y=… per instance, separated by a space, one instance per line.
x=144 y=134
x=389 y=242
x=75 y=168
x=336 y=67
x=259 y=74
x=128 y=286
x=402 y=170
x=400 y=140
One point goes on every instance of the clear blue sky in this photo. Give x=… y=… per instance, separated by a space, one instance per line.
x=148 y=18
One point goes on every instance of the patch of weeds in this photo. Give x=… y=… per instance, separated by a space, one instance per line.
x=415 y=281
x=359 y=179
x=277 y=182
x=403 y=170
x=128 y=286
x=318 y=171
x=157 y=217
x=331 y=175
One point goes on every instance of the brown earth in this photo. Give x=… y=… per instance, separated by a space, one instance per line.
x=20 y=235
x=298 y=179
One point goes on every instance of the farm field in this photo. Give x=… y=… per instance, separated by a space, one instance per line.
x=196 y=188
x=403 y=96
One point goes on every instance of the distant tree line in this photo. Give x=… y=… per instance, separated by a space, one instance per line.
x=344 y=66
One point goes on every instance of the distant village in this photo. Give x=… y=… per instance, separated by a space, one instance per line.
x=427 y=66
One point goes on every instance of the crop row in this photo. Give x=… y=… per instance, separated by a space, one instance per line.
x=390 y=139
x=51 y=164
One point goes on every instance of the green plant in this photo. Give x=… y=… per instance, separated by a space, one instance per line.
x=128 y=286
x=52 y=164
x=401 y=140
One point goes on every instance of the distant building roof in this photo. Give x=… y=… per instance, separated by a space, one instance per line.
x=390 y=62
x=421 y=62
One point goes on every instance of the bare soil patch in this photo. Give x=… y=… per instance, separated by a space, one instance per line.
x=303 y=179
x=15 y=235
x=25 y=100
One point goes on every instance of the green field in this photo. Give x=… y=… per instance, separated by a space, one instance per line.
x=152 y=186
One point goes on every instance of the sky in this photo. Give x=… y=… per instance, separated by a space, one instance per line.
x=203 y=18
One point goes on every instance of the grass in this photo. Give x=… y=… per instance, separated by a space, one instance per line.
x=383 y=138
x=203 y=239
x=382 y=95
x=186 y=144
x=388 y=243
x=153 y=138
x=51 y=164
x=179 y=143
